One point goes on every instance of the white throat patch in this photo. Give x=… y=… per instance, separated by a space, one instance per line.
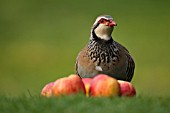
x=103 y=31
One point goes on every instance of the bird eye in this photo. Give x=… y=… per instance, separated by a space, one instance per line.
x=102 y=20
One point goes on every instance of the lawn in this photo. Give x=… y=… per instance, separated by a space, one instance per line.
x=82 y=104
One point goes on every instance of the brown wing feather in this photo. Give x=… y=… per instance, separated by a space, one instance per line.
x=130 y=68
x=83 y=60
x=131 y=63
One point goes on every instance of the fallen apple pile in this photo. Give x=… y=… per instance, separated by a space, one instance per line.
x=100 y=86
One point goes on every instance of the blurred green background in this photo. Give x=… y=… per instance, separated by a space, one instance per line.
x=39 y=41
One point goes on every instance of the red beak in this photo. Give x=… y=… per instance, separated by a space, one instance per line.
x=112 y=23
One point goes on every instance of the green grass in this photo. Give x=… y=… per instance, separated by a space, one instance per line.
x=81 y=104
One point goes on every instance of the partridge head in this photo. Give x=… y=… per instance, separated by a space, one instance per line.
x=103 y=27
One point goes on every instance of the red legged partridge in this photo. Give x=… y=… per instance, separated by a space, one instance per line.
x=103 y=55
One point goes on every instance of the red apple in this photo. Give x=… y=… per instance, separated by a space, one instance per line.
x=47 y=90
x=68 y=85
x=104 y=86
x=126 y=88
x=87 y=82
